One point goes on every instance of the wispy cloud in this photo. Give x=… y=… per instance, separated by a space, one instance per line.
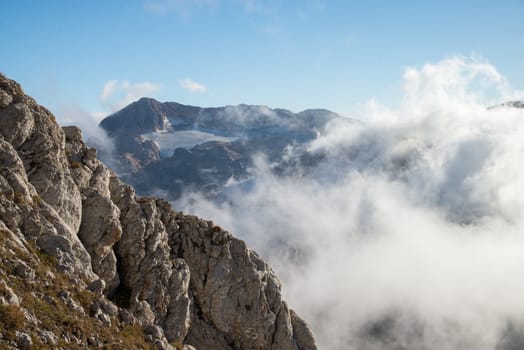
x=181 y=6
x=268 y=15
x=119 y=93
x=186 y=7
x=308 y=8
x=250 y=5
x=409 y=233
x=93 y=134
x=109 y=88
x=192 y=86
x=165 y=6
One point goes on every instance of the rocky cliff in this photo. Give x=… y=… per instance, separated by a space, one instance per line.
x=85 y=262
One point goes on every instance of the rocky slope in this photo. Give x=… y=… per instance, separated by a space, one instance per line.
x=151 y=155
x=85 y=262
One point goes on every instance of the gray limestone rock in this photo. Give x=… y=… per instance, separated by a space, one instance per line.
x=177 y=321
x=5 y=99
x=186 y=280
x=24 y=271
x=24 y=340
x=65 y=296
x=97 y=287
x=99 y=231
x=102 y=305
x=157 y=336
x=38 y=140
x=155 y=331
x=7 y=295
x=302 y=332
x=234 y=291
x=24 y=212
x=50 y=244
x=48 y=337
x=100 y=227
x=127 y=317
x=158 y=283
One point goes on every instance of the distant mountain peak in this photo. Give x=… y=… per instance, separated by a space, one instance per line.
x=173 y=147
x=146 y=99
x=149 y=115
x=144 y=115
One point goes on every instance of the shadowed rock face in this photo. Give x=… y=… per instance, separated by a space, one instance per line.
x=183 y=279
x=208 y=165
x=146 y=115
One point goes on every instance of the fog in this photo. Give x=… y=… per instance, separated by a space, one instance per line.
x=93 y=134
x=409 y=234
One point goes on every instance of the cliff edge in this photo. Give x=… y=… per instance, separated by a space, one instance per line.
x=76 y=239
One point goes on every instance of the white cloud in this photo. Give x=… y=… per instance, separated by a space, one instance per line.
x=119 y=93
x=109 y=88
x=267 y=13
x=165 y=6
x=181 y=6
x=250 y=5
x=192 y=86
x=414 y=214
x=98 y=116
x=93 y=134
x=185 y=8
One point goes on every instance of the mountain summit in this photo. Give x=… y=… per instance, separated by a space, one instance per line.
x=177 y=148
x=144 y=115
x=149 y=115
x=86 y=262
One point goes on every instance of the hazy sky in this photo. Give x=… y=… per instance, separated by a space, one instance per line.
x=99 y=55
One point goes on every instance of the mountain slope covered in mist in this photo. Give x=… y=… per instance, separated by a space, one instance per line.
x=174 y=148
x=86 y=262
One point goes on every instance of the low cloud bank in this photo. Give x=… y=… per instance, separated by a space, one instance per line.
x=93 y=134
x=409 y=233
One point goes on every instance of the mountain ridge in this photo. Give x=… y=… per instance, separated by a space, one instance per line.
x=226 y=139
x=125 y=261
x=150 y=110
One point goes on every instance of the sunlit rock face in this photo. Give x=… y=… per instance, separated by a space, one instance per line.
x=122 y=260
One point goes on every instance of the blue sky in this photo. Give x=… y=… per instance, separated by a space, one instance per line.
x=98 y=55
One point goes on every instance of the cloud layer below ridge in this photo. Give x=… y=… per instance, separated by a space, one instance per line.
x=409 y=233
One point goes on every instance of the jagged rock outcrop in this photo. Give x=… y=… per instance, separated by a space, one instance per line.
x=39 y=199
x=234 y=290
x=100 y=226
x=183 y=279
x=39 y=141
